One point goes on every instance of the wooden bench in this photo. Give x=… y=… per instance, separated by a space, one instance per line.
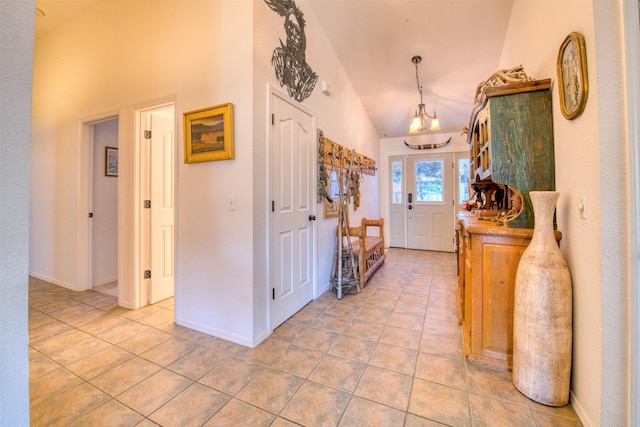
x=368 y=251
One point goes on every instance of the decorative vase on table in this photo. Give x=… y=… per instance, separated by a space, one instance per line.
x=542 y=312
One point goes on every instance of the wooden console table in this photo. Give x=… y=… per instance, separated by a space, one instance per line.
x=488 y=257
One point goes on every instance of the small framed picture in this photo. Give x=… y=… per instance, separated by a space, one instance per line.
x=573 y=82
x=110 y=161
x=208 y=134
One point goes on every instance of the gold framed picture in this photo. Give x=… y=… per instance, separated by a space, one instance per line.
x=208 y=134
x=573 y=82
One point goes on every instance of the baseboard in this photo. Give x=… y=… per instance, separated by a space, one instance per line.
x=217 y=333
x=54 y=281
x=104 y=281
x=580 y=412
x=323 y=289
x=260 y=338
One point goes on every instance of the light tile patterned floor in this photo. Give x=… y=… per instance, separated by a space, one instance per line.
x=390 y=356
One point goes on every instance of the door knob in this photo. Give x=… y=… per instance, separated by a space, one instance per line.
x=410 y=207
x=312 y=217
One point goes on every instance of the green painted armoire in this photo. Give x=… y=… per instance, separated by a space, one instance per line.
x=512 y=143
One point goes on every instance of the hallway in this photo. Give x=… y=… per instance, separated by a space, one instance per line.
x=390 y=356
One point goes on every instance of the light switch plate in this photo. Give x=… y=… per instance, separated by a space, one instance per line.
x=231 y=204
x=582 y=207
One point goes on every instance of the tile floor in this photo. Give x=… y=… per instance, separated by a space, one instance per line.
x=390 y=356
x=110 y=288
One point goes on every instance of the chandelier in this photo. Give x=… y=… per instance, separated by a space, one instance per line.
x=419 y=121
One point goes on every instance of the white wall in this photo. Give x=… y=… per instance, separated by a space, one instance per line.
x=195 y=52
x=105 y=208
x=588 y=153
x=199 y=53
x=340 y=116
x=615 y=208
x=214 y=286
x=632 y=101
x=16 y=54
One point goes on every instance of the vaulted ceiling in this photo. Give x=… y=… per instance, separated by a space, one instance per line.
x=460 y=42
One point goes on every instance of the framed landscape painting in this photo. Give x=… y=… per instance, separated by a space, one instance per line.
x=208 y=134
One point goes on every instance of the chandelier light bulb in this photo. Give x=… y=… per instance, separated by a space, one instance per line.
x=416 y=124
x=435 y=122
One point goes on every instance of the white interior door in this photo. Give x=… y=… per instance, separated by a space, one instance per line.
x=159 y=240
x=292 y=241
x=429 y=202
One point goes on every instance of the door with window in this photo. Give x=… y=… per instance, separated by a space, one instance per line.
x=422 y=202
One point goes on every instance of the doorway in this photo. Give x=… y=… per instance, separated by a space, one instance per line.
x=104 y=208
x=154 y=204
x=145 y=239
x=97 y=257
x=422 y=202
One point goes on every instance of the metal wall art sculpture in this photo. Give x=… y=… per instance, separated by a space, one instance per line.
x=289 y=59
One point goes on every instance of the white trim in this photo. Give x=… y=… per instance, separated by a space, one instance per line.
x=272 y=91
x=84 y=196
x=55 y=281
x=631 y=18
x=138 y=295
x=267 y=214
x=222 y=334
x=583 y=416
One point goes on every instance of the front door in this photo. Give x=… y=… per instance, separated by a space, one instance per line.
x=430 y=202
x=292 y=198
x=422 y=202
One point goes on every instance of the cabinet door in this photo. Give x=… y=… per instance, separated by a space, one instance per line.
x=499 y=266
x=522 y=146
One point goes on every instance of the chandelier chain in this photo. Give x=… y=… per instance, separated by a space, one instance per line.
x=418 y=82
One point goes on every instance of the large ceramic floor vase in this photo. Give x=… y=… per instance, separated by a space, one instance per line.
x=542 y=313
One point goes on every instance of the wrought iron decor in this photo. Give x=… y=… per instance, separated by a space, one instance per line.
x=289 y=59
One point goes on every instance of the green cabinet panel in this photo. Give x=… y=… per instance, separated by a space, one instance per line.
x=512 y=142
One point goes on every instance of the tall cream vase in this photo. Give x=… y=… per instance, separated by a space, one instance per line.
x=542 y=312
